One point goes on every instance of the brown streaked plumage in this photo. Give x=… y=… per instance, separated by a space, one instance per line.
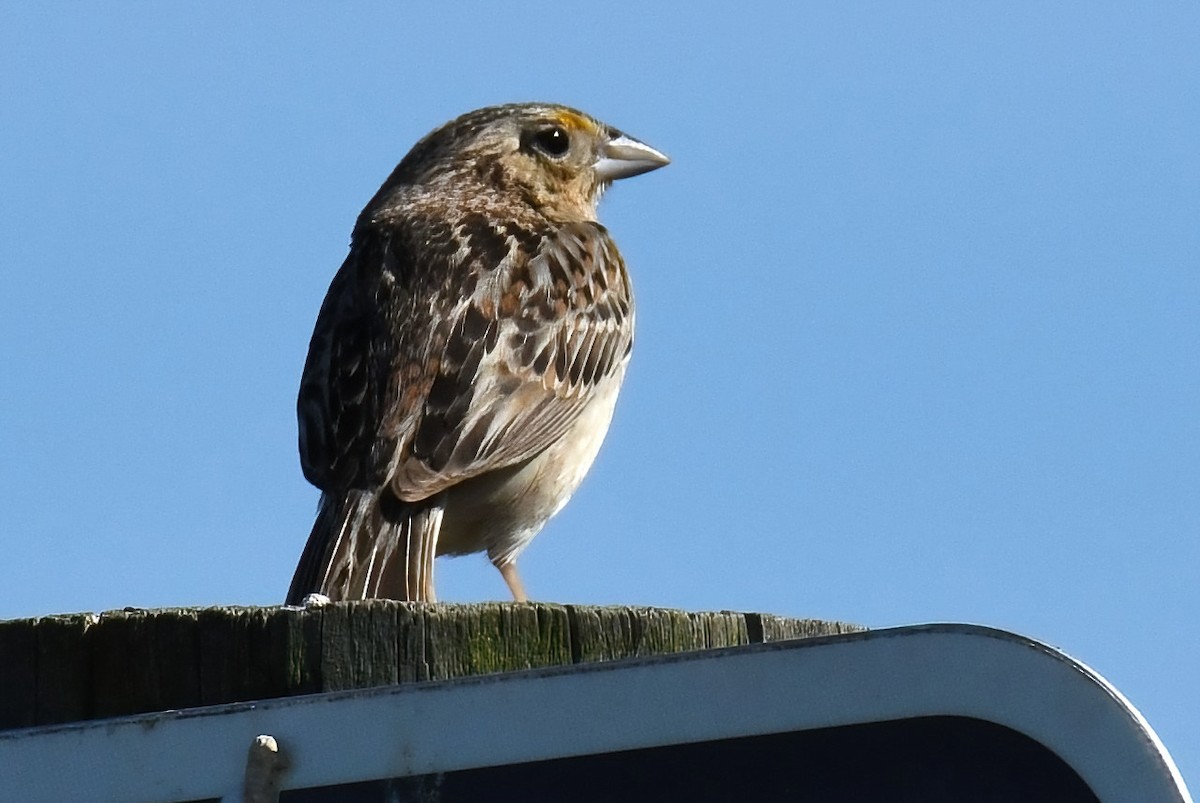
x=467 y=357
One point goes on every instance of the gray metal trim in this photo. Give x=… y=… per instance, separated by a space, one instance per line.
x=898 y=673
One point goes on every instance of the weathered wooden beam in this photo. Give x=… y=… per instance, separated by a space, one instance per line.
x=68 y=668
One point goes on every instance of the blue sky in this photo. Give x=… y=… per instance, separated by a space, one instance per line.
x=919 y=305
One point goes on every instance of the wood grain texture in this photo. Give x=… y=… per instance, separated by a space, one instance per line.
x=82 y=666
x=18 y=673
x=62 y=676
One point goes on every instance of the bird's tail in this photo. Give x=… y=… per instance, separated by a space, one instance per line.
x=367 y=544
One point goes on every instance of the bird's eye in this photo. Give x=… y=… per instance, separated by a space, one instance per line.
x=552 y=141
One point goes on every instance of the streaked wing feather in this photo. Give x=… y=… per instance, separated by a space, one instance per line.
x=523 y=357
x=345 y=379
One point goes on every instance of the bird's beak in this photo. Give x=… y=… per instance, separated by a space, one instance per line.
x=623 y=156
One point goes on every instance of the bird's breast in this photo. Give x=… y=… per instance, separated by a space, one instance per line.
x=503 y=510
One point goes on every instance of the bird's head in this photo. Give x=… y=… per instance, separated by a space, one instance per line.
x=554 y=158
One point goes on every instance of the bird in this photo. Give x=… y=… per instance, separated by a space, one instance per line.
x=466 y=360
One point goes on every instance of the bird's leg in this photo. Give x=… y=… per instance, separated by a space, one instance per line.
x=509 y=572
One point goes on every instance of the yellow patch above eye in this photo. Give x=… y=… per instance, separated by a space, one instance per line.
x=572 y=121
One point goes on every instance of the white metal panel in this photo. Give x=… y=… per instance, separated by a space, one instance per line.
x=931 y=670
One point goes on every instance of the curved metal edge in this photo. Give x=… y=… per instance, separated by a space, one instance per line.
x=1154 y=749
x=888 y=674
